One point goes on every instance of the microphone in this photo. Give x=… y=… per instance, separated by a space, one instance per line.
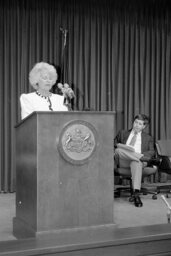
x=64 y=31
x=67 y=92
x=60 y=86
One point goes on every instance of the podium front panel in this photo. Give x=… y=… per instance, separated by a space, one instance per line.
x=70 y=171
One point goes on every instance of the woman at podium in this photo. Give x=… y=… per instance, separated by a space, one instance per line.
x=42 y=77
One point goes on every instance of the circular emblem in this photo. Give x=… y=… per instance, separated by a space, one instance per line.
x=77 y=142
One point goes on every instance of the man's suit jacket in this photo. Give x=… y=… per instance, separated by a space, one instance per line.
x=147 y=142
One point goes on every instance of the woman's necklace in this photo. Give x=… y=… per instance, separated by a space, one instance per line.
x=46 y=98
x=42 y=96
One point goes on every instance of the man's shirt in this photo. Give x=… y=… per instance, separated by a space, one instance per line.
x=137 y=145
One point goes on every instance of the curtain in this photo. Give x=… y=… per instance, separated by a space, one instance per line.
x=116 y=58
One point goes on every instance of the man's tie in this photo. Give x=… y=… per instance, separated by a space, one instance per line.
x=133 y=140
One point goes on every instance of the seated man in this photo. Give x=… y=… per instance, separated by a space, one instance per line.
x=139 y=151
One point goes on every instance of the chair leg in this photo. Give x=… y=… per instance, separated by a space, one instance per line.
x=165 y=189
x=145 y=191
x=117 y=191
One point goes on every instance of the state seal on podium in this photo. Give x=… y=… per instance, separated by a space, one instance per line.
x=77 y=141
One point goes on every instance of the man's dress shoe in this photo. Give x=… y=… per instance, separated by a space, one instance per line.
x=137 y=201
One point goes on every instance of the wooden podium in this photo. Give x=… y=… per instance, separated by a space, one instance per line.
x=64 y=173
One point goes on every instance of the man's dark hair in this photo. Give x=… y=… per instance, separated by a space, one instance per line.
x=142 y=117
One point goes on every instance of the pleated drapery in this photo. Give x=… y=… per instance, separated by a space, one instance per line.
x=117 y=58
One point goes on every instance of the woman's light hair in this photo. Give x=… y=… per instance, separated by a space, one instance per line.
x=38 y=70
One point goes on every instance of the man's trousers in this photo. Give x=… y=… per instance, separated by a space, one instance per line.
x=125 y=158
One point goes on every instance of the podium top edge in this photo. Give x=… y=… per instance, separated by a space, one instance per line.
x=74 y=111
x=65 y=112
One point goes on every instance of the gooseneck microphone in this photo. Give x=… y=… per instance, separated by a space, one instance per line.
x=67 y=92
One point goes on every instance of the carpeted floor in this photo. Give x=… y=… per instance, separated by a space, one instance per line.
x=125 y=213
x=153 y=212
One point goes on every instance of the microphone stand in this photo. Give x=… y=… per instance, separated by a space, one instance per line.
x=64 y=33
x=67 y=101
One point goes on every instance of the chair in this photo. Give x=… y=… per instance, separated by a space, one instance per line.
x=164 y=153
x=125 y=173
